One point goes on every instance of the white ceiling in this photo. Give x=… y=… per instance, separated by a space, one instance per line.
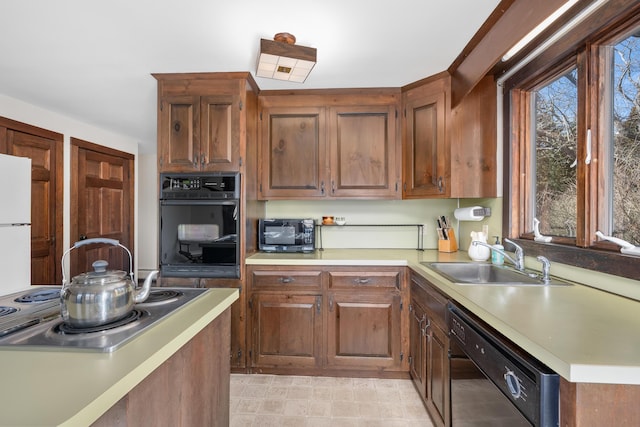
x=92 y=60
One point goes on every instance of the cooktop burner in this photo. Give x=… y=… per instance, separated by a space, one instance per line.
x=134 y=315
x=4 y=311
x=159 y=296
x=40 y=325
x=39 y=295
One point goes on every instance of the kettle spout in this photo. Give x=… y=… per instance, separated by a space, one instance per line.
x=143 y=293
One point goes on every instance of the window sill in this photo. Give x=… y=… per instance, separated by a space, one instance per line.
x=601 y=261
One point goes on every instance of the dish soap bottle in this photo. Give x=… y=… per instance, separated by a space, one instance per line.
x=496 y=257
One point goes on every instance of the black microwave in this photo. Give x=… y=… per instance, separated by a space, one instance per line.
x=286 y=235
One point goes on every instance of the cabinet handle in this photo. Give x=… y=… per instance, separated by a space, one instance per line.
x=331 y=304
x=333 y=187
x=424 y=330
x=287 y=280
x=318 y=304
x=195 y=160
x=203 y=159
x=322 y=188
x=440 y=184
x=362 y=280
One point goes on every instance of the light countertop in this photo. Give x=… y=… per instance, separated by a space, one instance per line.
x=583 y=333
x=74 y=388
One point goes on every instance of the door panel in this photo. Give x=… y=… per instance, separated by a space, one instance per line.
x=293 y=145
x=286 y=330
x=102 y=204
x=363 y=330
x=220 y=140
x=45 y=201
x=179 y=146
x=363 y=151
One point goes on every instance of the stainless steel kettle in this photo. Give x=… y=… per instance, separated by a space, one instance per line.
x=101 y=296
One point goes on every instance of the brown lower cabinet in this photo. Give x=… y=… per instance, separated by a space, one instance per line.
x=429 y=350
x=329 y=320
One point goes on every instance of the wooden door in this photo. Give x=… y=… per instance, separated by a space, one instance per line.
x=179 y=134
x=418 y=343
x=425 y=148
x=44 y=148
x=438 y=396
x=286 y=330
x=363 y=330
x=363 y=152
x=220 y=133
x=293 y=153
x=101 y=204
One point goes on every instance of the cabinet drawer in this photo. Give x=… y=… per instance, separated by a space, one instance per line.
x=367 y=279
x=288 y=278
x=433 y=301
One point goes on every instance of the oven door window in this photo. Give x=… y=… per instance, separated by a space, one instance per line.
x=199 y=237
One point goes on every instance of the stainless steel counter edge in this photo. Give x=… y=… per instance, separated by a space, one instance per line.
x=584 y=334
x=70 y=388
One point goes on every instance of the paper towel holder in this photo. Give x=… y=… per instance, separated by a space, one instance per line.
x=473 y=213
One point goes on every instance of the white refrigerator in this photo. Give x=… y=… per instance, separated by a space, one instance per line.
x=15 y=223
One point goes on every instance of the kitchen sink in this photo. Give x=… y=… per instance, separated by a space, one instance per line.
x=473 y=273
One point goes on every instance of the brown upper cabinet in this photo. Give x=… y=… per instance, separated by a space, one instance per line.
x=426 y=154
x=449 y=153
x=329 y=144
x=202 y=121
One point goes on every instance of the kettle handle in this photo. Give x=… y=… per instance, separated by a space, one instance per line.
x=113 y=242
x=79 y=243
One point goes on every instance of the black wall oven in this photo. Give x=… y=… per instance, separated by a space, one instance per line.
x=199 y=225
x=504 y=386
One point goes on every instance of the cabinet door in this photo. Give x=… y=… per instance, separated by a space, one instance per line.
x=220 y=136
x=418 y=348
x=363 y=152
x=179 y=134
x=438 y=396
x=286 y=330
x=293 y=153
x=426 y=163
x=363 y=330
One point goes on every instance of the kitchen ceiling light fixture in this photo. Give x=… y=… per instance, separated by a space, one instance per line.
x=281 y=59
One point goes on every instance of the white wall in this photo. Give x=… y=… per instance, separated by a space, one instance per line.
x=14 y=109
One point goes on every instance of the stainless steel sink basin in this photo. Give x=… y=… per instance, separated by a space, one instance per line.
x=473 y=273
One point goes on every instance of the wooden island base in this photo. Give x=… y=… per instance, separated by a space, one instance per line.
x=190 y=389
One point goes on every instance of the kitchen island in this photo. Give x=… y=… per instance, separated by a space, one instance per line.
x=157 y=374
x=586 y=333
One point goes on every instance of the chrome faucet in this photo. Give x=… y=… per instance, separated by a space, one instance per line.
x=518 y=262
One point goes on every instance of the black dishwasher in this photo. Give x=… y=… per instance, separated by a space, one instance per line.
x=510 y=388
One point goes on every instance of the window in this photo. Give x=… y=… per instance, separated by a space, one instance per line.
x=555 y=155
x=624 y=180
x=575 y=146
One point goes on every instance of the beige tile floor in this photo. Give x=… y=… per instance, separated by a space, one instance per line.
x=300 y=401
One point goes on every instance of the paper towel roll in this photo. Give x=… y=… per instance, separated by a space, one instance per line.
x=474 y=213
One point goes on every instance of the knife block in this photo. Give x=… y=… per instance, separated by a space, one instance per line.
x=448 y=245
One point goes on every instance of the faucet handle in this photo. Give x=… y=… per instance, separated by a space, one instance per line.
x=518 y=247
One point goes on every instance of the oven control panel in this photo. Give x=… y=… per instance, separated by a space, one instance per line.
x=182 y=186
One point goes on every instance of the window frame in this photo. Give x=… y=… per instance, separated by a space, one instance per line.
x=585 y=47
